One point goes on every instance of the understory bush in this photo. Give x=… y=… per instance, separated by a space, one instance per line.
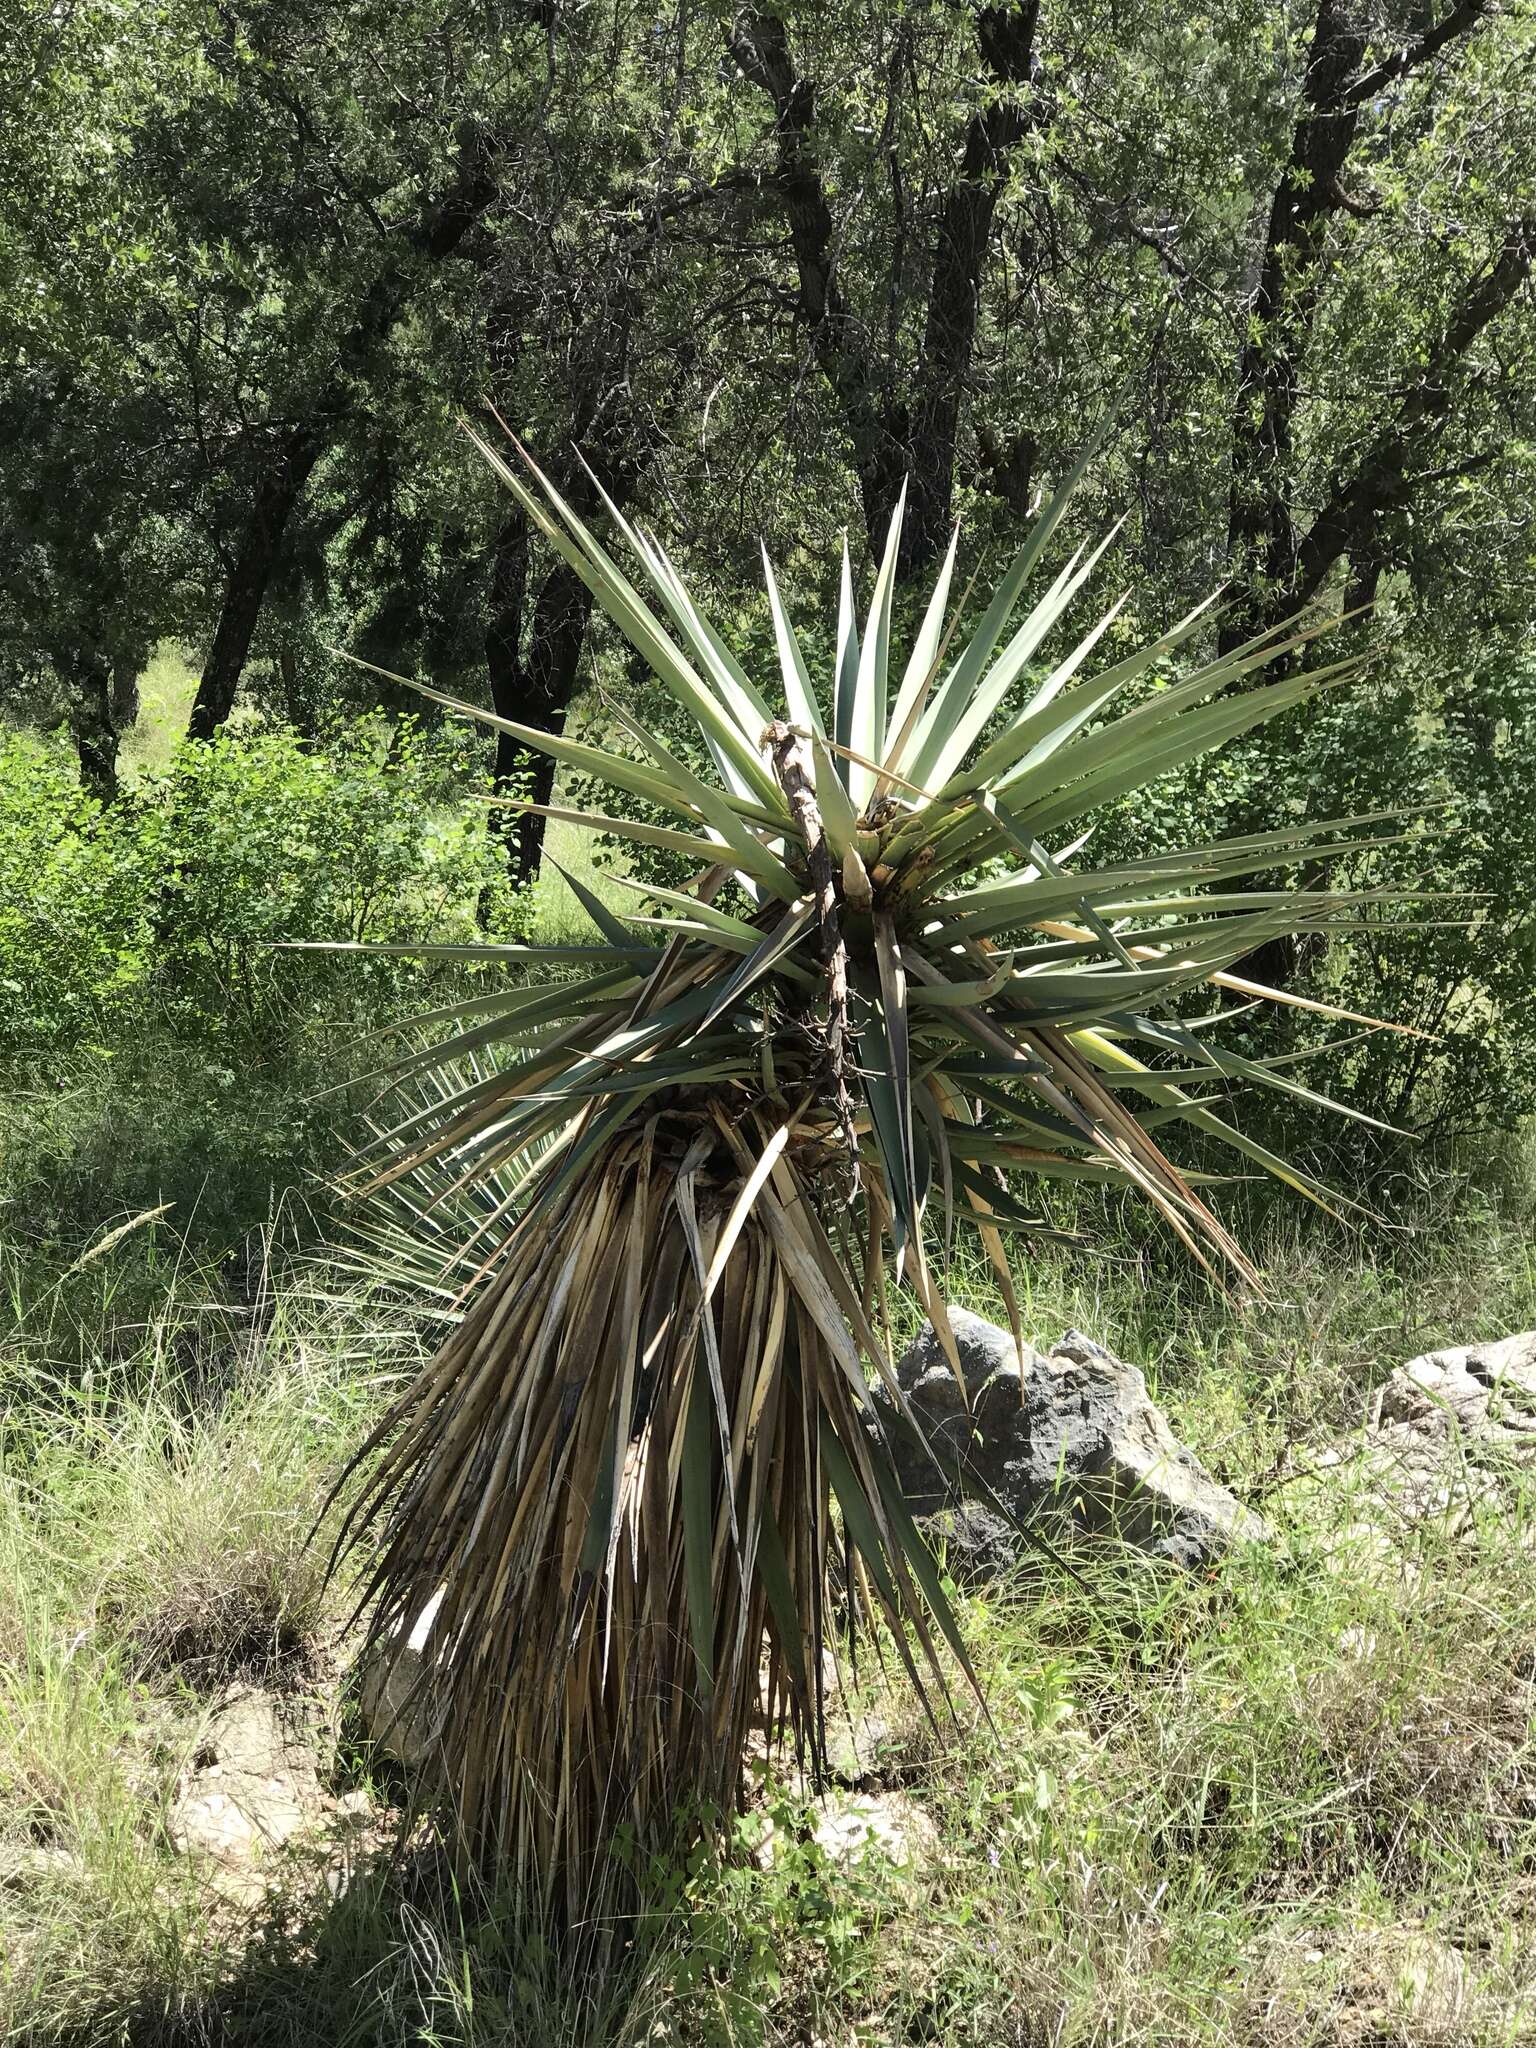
x=160 y=1051
x=163 y=909
x=1448 y=749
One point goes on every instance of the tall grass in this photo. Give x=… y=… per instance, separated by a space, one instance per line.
x=1260 y=1808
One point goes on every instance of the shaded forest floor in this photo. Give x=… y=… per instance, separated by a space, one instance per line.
x=1293 y=1801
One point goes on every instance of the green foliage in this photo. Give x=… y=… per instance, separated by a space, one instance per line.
x=161 y=1049
x=1459 y=735
x=258 y=841
x=164 y=909
x=75 y=920
x=1451 y=740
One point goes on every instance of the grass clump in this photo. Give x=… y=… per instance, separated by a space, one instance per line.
x=1277 y=1806
x=211 y=1572
x=174 y=1522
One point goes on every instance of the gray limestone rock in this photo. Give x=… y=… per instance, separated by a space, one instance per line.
x=1488 y=1390
x=975 y=1545
x=1074 y=1436
x=253 y=1785
x=1444 y=1436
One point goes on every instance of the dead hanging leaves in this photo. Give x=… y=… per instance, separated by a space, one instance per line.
x=643 y=1470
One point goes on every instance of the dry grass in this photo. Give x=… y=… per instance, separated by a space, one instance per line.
x=1285 y=1808
x=212 y=1573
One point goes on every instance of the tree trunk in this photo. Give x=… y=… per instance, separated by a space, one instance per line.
x=1280 y=565
x=1261 y=530
x=440 y=230
x=95 y=726
x=1007 y=38
x=504 y=666
x=106 y=705
x=533 y=687
x=277 y=495
x=298 y=696
x=889 y=440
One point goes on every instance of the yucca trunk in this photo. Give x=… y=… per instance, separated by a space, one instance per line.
x=617 y=1473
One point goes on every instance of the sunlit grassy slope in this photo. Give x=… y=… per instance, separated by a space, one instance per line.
x=166 y=690
x=1285 y=1803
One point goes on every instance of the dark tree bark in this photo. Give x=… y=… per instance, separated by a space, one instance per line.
x=874 y=423
x=106 y=705
x=283 y=475
x=1386 y=477
x=1264 y=543
x=1260 y=527
x=95 y=729
x=536 y=689
x=521 y=771
x=278 y=491
x=298 y=696
x=533 y=652
x=1007 y=38
x=890 y=439
x=540 y=609
x=125 y=695
x=1391 y=470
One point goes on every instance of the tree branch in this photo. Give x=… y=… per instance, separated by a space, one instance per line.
x=284 y=473
x=888 y=445
x=760 y=46
x=1262 y=536
x=1119 y=211
x=1461 y=20
x=1006 y=36
x=1381 y=481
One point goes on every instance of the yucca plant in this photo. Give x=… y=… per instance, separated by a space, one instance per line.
x=646 y=1468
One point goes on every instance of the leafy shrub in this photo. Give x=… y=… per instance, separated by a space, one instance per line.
x=155 y=1050
x=166 y=906
x=1463 y=741
x=75 y=931
x=264 y=840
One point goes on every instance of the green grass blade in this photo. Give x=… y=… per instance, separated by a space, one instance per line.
x=846 y=669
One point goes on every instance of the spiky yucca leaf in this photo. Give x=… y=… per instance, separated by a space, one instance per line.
x=644 y=1456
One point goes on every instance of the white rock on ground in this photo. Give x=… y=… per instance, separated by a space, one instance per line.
x=855 y=1824
x=27 y=1863
x=847 y=1826
x=253 y=1785
x=1489 y=1389
x=1430 y=1983
x=1440 y=1437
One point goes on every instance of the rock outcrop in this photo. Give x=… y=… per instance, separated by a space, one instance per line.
x=1074 y=1438
x=1484 y=1390
x=252 y=1786
x=1443 y=1434
x=254 y=1795
x=394 y=1695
